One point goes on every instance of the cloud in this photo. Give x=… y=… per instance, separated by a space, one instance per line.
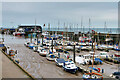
x=26 y=12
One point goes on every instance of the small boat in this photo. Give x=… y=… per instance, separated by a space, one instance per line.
x=117 y=48
x=51 y=56
x=31 y=45
x=26 y=44
x=117 y=55
x=68 y=48
x=39 y=48
x=20 y=32
x=103 y=55
x=87 y=48
x=43 y=52
x=92 y=76
x=59 y=61
x=70 y=66
x=35 y=48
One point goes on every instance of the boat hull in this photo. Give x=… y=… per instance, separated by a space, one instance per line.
x=71 y=70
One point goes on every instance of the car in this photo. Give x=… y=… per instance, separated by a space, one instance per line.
x=59 y=62
x=115 y=75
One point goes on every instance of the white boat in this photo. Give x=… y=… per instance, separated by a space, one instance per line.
x=43 y=52
x=68 y=48
x=20 y=32
x=59 y=61
x=51 y=57
x=70 y=66
x=81 y=44
x=39 y=48
x=103 y=55
x=26 y=44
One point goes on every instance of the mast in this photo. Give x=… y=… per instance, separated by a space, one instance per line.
x=35 y=26
x=58 y=25
x=89 y=24
x=105 y=27
x=82 y=23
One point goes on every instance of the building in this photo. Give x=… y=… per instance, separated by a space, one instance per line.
x=30 y=28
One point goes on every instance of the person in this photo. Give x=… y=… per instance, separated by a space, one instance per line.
x=8 y=49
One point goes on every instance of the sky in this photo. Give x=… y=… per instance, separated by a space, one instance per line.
x=70 y=13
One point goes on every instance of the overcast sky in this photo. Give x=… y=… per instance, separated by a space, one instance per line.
x=16 y=13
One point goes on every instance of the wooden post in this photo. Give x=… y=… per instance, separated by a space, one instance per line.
x=42 y=39
x=52 y=45
x=31 y=38
x=74 y=53
x=37 y=38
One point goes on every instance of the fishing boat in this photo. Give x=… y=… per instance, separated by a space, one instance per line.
x=70 y=66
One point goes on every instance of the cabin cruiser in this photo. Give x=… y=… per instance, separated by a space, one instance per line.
x=70 y=66
x=59 y=61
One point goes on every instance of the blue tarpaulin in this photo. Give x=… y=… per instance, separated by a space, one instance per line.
x=1 y=45
x=93 y=68
x=98 y=59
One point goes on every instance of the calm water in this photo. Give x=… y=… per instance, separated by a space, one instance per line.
x=101 y=30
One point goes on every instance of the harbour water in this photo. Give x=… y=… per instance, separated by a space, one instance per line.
x=101 y=30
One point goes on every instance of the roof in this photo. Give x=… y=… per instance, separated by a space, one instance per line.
x=29 y=24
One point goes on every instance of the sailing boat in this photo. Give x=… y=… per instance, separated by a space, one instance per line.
x=92 y=75
x=50 y=56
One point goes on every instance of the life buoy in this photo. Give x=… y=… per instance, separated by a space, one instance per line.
x=98 y=69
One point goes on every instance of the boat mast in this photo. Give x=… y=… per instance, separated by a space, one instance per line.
x=58 y=25
x=89 y=24
x=82 y=25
